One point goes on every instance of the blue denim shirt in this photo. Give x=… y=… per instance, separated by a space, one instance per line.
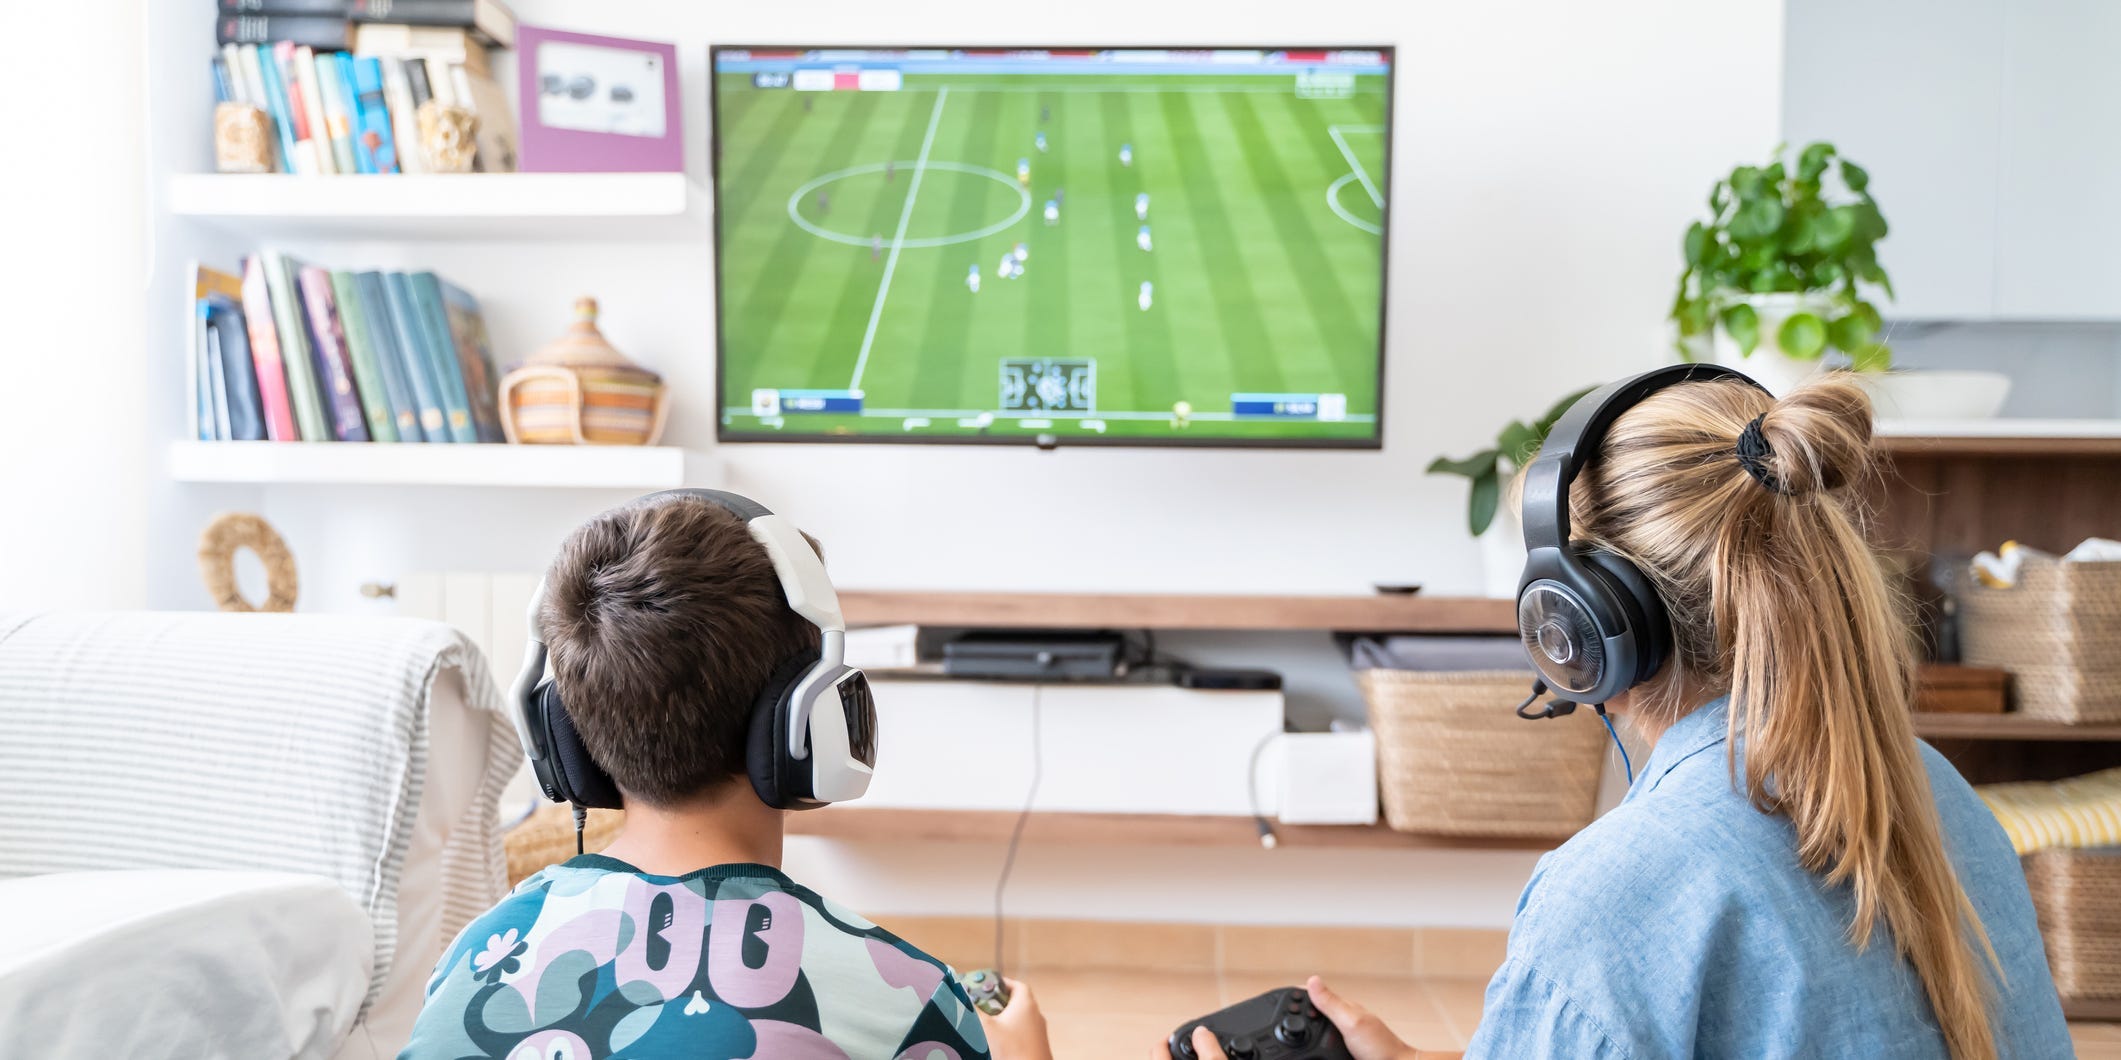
x=1681 y=925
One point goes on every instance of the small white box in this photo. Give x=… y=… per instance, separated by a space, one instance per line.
x=1327 y=777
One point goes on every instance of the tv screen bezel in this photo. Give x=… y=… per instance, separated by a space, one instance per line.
x=725 y=434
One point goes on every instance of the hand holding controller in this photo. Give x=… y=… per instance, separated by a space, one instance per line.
x=989 y=994
x=1277 y=1025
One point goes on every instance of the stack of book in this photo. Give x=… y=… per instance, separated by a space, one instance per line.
x=294 y=352
x=343 y=80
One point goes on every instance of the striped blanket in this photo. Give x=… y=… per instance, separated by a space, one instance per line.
x=294 y=743
x=2079 y=812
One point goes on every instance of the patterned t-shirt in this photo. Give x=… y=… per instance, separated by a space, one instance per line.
x=595 y=958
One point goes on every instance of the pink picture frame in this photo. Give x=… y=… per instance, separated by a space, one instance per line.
x=589 y=120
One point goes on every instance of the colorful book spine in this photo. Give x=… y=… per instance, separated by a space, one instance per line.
x=456 y=402
x=261 y=65
x=419 y=367
x=374 y=302
x=375 y=145
x=404 y=117
x=302 y=64
x=199 y=369
x=265 y=354
x=295 y=356
x=327 y=32
x=467 y=331
x=333 y=8
x=334 y=366
x=226 y=325
x=361 y=350
x=339 y=110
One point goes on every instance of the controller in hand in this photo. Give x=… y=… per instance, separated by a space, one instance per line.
x=1277 y=1025
x=989 y=994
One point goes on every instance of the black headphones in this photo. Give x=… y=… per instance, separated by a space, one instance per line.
x=812 y=736
x=1593 y=626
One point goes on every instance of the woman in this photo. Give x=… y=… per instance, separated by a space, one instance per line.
x=1792 y=873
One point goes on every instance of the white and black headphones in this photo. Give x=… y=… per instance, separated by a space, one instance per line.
x=812 y=737
x=1592 y=625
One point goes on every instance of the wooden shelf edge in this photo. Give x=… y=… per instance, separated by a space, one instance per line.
x=1375 y=613
x=2094 y=1010
x=367 y=463
x=2010 y=727
x=887 y=825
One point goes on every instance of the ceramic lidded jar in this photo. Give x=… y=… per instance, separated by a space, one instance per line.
x=578 y=390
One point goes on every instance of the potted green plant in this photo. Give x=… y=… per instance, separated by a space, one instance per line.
x=1496 y=526
x=1776 y=277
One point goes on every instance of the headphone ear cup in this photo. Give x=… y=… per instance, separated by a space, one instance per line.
x=581 y=780
x=781 y=780
x=1645 y=612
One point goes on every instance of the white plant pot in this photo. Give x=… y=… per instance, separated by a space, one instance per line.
x=1502 y=553
x=1767 y=364
x=1937 y=395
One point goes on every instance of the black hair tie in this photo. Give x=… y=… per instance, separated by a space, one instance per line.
x=1754 y=452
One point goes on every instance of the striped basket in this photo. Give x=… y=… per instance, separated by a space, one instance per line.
x=2077 y=897
x=578 y=390
x=547 y=838
x=2058 y=632
x=1453 y=758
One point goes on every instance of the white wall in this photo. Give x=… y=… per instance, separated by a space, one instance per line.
x=1548 y=155
x=73 y=274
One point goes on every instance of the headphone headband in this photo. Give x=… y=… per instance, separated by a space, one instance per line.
x=1577 y=437
x=839 y=747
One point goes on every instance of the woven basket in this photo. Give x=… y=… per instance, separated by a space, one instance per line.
x=1453 y=758
x=2077 y=896
x=2058 y=631
x=547 y=838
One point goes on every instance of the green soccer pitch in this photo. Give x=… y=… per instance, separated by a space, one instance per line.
x=849 y=221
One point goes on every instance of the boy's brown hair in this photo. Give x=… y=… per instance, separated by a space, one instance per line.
x=664 y=619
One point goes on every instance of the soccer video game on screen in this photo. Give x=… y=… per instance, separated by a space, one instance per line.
x=1130 y=246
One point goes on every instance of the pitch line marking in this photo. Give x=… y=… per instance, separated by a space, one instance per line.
x=898 y=241
x=795 y=201
x=1333 y=203
x=1376 y=197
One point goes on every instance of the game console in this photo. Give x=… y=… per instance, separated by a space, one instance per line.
x=986 y=989
x=1277 y=1025
x=1031 y=655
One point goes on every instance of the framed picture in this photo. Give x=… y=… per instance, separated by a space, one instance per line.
x=595 y=104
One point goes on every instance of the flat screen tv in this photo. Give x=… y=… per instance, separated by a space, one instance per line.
x=1071 y=246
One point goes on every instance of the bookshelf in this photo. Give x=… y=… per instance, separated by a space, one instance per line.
x=511 y=206
x=368 y=464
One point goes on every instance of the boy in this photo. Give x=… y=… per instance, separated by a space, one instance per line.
x=664 y=619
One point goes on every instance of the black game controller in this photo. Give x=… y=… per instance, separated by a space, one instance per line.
x=1277 y=1025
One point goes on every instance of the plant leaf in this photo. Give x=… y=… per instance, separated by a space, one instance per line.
x=1480 y=463
x=1812 y=162
x=1802 y=336
x=1876 y=357
x=1518 y=442
x=1851 y=334
x=1480 y=508
x=1545 y=424
x=1696 y=244
x=1742 y=323
x=1855 y=176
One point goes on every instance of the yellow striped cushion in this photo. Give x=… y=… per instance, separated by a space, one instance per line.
x=2079 y=812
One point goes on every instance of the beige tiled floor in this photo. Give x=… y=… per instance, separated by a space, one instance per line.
x=1114 y=990
x=1107 y=1014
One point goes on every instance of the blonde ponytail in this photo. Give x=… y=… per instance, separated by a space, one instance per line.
x=1737 y=507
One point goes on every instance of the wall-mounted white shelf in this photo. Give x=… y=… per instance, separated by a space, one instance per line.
x=359 y=463
x=606 y=206
x=2002 y=437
